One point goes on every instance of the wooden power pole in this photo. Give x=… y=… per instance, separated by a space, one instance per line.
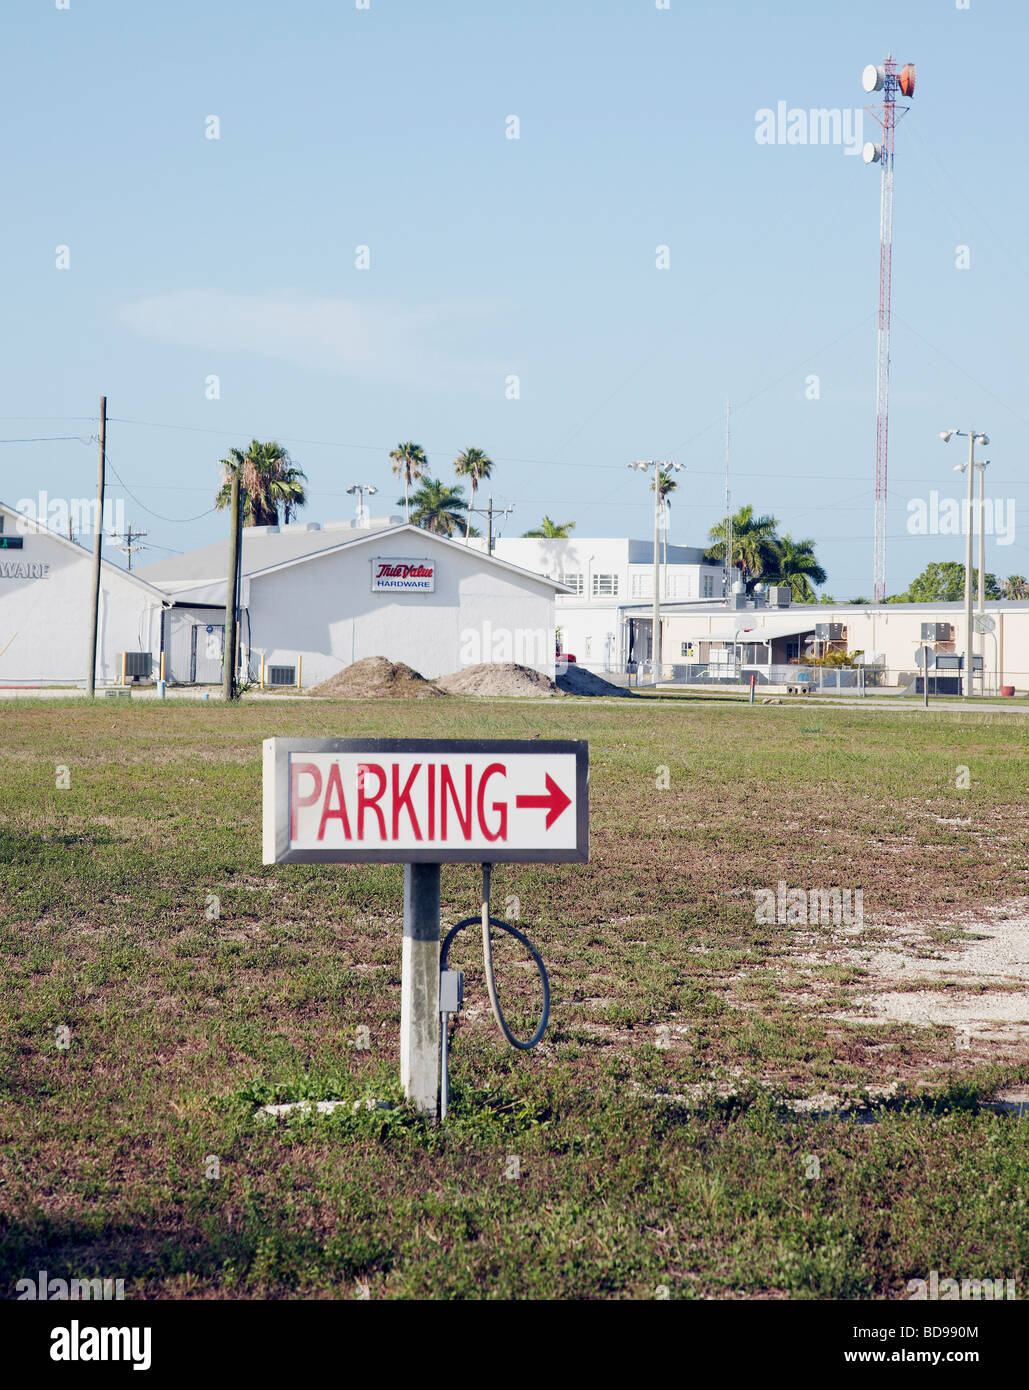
x=98 y=540
x=229 y=647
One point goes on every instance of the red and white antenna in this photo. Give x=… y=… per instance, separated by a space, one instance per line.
x=888 y=80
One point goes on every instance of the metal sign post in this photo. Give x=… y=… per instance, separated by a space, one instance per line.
x=424 y=803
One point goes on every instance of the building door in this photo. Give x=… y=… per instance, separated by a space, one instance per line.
x=205 y=664
x=639 y=640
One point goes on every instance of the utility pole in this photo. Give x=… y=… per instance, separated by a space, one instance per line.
x=129 y=546
x=98 y=538
x=969 y=639
x=643 y=466
x=973 y=437
x=728 y=512
x=231 y=592
x=982 y=467
x=488 y=512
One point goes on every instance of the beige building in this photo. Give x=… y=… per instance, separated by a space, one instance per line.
x=719 y=643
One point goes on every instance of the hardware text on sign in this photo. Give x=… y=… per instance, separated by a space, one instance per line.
x=413 y=800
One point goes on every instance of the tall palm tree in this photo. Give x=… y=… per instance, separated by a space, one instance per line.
x=1015 y=586
x=666 y=485
x=271 y=480
x=550 y=530
x=755 y=546
x=474 y=465
x=798 y=568
x=409 y=463
x=438 y=507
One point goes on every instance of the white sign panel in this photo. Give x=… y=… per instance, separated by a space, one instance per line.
x=393 y=574
x=420 y=801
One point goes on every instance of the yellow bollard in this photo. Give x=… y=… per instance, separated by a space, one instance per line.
x=124 y=659
x=262 y=670
x=300 y=670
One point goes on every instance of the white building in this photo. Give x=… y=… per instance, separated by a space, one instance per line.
x=46 y=586
x=603 y=577
x=313 y=597
x=717 y=642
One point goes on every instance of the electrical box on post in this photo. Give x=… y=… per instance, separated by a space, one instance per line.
x=451 y=991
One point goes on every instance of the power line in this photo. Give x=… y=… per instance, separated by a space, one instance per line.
x=177 y=520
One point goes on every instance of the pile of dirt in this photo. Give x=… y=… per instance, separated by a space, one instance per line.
x=498 y=678
x=575 y=681
x=376 y=678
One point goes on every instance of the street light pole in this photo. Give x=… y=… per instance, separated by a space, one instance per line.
x=972 y=436
x=656 y=653
x=981 y=600
x=643 y=466
x=969 y=639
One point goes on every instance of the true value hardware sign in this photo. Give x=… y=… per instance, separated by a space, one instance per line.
x=423 y=801
x=392 y=574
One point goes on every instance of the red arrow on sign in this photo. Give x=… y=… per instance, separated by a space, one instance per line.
x=554 y=802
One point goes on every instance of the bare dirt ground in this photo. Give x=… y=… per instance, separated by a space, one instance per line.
x=498 y=678
x=376 y=678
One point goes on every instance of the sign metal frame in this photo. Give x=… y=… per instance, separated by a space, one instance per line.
x=276 y=808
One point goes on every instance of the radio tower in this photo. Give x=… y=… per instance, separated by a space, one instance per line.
x=888 y=80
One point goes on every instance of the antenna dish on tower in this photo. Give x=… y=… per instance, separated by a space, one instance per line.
x=873 y=78
x=870 y=153
x=906 y=81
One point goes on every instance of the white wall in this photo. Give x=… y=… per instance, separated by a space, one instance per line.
x=44 y=619
x=325 y=609
x=892 y=629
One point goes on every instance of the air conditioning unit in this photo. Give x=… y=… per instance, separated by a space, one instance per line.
x=281 y=675
x=137 y=665
x=937 y=632
x=780 y=596
x=830 y=632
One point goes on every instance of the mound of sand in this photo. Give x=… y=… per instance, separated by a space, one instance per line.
x=376 y=678
x=498 y=678
x=575 y=681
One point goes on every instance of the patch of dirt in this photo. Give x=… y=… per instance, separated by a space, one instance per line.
x=498 y=678
x=573 y=680
x=377 y=678
x=978 y=986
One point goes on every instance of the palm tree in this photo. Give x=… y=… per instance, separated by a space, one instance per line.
x=550 y=530
x=666 y=485
x=1016 y=586
x=271 y=480
x=755 y=545
x=438 y=507
x=474 y=465
x=409 y=462
x=798 y=568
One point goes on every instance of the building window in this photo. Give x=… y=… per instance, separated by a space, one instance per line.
x=605 y=584
x=709 y=586
x=573 y=580
x=792 y=652
x=641 y=585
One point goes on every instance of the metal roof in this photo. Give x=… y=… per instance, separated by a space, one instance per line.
x=266 y=552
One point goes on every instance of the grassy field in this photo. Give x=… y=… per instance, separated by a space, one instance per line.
x=652 y=1145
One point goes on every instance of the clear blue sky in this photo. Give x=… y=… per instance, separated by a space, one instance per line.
x=386 y=128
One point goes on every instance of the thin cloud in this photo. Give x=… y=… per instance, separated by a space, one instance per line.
x=356 y=338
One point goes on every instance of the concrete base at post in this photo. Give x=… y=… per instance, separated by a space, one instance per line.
x=419 y=987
